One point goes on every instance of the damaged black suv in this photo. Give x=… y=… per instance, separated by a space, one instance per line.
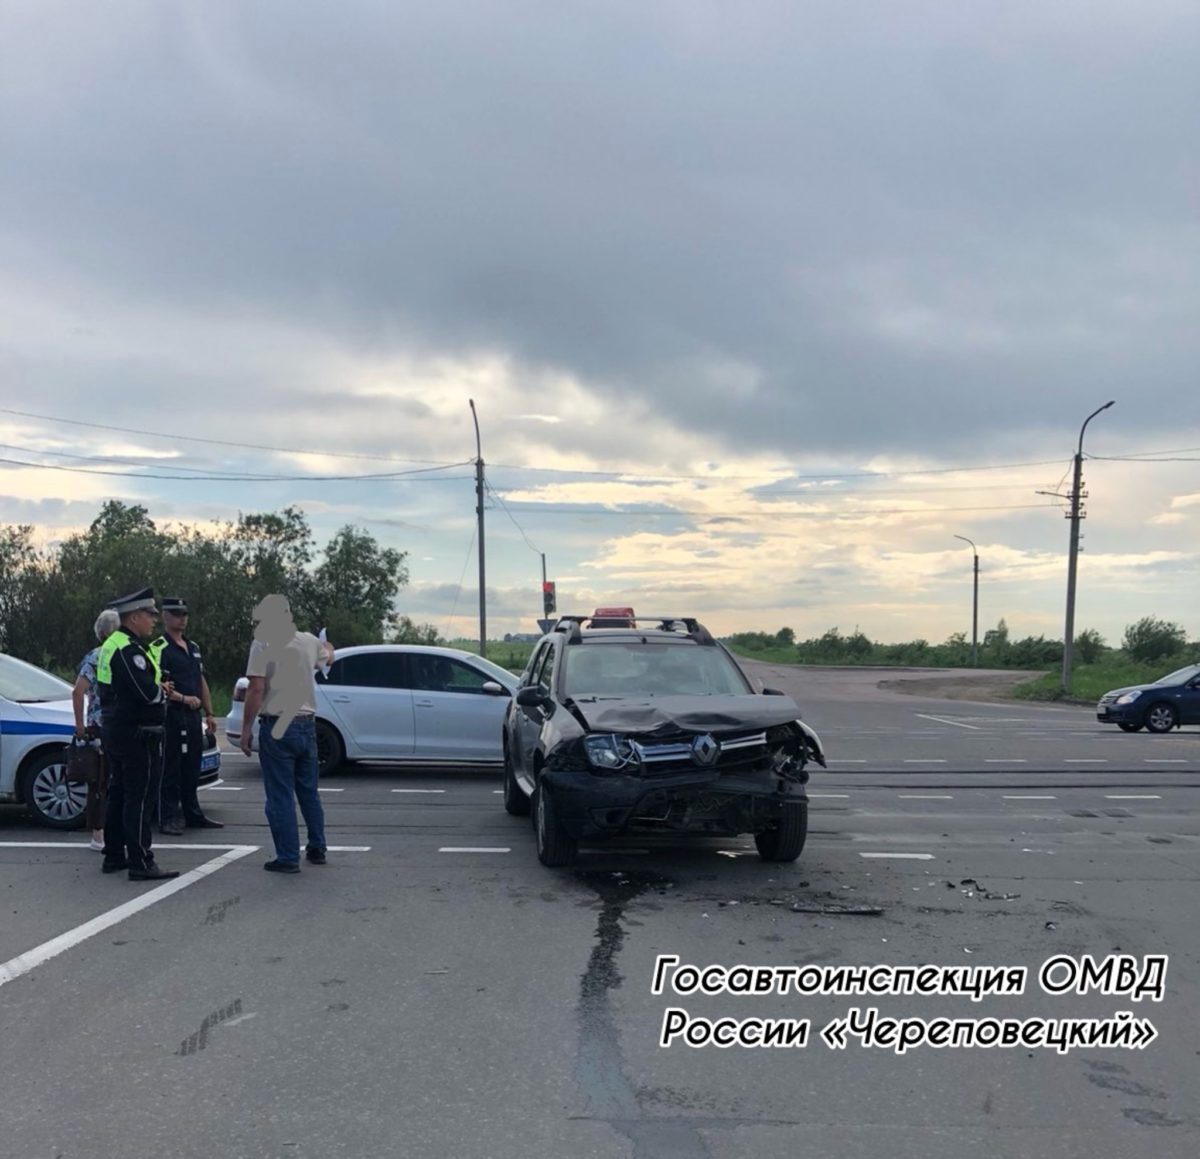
x=653 y=729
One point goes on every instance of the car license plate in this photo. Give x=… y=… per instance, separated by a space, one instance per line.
x=209 y=762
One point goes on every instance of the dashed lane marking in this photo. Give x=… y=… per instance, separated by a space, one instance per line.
x=474 y=849
x=1164 y=761
x=1005 y=761
x=1084 y=761
x=925 y=796
x=925 y=760
x=418 y=790
x=1028 y=797
x=1132 y=797
x=899 y=856
x=827 y=796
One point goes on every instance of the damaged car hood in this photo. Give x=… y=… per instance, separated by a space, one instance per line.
x=670 y=715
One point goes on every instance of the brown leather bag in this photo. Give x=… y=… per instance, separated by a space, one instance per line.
x=83 y=764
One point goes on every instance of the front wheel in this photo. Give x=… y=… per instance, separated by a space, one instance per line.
x=516 y=804
x=51 y=798
x=1160 y=717
x=331 y=753
x=1124 y=726
x=555 y=847
x=785 y=840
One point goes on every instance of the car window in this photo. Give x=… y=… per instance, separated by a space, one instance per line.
x=545 y=669
x=637 y=669
x=535 y=662
x=371 y=670
x=443 y=674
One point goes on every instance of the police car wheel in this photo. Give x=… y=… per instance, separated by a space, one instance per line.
x=50 y=797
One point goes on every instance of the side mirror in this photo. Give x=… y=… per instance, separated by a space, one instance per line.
x=492 y=688
x=773 y=692
x=532 y=697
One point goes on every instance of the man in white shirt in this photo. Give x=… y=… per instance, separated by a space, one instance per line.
x=283 y=696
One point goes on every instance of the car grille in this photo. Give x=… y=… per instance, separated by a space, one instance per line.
x=737 y=751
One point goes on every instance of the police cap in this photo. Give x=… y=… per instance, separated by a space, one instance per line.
x=134 y=602
x=176 y=604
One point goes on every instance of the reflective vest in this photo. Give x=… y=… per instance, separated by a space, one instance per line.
x=118 y=640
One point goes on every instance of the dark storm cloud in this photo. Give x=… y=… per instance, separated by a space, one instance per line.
x=851 y=227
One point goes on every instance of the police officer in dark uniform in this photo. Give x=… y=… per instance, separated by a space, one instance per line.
x=180 y=662
x=133 y=708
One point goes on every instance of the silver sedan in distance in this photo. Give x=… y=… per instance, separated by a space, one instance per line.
x=404 y=703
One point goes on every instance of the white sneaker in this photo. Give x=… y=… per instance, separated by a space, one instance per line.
x=98 y=846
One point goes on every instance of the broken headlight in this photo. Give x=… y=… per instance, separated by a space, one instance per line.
x=609 y=751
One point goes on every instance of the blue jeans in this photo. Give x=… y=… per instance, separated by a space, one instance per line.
x=289 y=769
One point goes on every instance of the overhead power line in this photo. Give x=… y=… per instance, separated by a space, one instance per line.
x=504 y=506
x=244 y=478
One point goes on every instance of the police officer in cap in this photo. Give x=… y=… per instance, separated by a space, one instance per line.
x=133 y=709
x=179 y=660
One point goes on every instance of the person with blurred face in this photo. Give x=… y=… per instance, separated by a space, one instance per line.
x=283 y=696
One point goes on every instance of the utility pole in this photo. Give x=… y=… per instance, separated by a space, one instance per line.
x=975 y=606
x=1076 y=496
x=479 y=513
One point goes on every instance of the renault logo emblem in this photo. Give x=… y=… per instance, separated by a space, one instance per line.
x=705 y=751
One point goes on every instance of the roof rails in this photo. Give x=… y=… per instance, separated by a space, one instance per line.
x=572 y=625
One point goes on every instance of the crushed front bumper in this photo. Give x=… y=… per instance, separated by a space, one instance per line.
x=594 y=806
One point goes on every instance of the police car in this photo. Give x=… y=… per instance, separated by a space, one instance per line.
x=36 y=724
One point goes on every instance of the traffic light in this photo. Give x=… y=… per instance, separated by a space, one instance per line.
x=549 y=605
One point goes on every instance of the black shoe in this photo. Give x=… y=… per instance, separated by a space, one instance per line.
x=206 y=823
x=152 y=873
x=316 y=856
x=278 y=866
x=114 y=866
x=171 y=829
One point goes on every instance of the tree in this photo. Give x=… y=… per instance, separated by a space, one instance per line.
x=1151 y=639
x=355 y=585
x=402 y=630
x=1089 y=646
x=18 y=559
x=786 y=637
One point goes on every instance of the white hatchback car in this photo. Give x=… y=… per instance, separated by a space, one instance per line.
x=404 y=703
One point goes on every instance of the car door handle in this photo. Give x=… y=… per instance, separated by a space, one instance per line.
x=423 y=703
x=340 y=699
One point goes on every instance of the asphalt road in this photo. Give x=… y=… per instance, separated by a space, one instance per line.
x=434 y=991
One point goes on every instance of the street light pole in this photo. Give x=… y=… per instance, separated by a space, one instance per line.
x=1075 y=515
x=479 y=513
x=974 y=606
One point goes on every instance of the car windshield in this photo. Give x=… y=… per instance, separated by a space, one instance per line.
x=1182 y=676
x=25 y=683
x=617 y=670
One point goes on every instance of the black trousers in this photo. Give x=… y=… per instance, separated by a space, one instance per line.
x=134 y=770
x=183 y=745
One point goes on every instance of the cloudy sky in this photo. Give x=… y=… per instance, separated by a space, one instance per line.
x=760 y=304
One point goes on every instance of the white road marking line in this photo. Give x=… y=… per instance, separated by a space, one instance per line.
x=418 y=790
x=925 y=796
x=1048 y=852
x=474 y=849
x=925 y=760
x=1084 y=761
x=844 y=761
x=1164 y=761
x=1005 y=761
x=495 y=791
x=826 y=796
x=901 y=856
x=1027 y=797
x=322 y=789
x=943 y=720
x=347 y=849
x=222 y=788
x=31 y=959
x=1132 y=797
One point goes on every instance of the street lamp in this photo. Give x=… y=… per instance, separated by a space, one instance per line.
x=1075 y=516
x=975 y=612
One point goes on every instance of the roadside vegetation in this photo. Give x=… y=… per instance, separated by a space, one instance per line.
x=1149 y=649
